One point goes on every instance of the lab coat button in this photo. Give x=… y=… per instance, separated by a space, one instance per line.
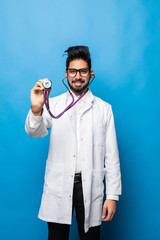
x=74 y=155
x=81 y=139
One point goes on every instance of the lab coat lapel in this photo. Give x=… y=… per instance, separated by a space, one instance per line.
x=88 y=102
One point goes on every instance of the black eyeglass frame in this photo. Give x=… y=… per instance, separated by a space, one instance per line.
x=78 y=70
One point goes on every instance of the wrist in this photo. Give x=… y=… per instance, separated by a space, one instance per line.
x=36 y=111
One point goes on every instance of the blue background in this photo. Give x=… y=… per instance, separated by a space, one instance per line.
x=123 y=37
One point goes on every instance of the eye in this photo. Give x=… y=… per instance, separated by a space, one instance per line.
x=72 y=70
x=84 y=70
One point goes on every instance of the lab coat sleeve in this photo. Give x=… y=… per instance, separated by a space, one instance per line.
x=112 y=163
x=112 y=197
x=37 y=126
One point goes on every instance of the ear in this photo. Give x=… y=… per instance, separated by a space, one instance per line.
x=65 y=73
x=92 y=73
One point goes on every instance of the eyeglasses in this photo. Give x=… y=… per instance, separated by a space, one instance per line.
x=84 y=72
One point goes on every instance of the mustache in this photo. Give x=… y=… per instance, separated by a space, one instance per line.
x=78 y=80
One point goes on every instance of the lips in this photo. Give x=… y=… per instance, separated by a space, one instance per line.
x=78 y=83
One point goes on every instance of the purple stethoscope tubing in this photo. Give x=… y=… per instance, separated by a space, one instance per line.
x=46 y=99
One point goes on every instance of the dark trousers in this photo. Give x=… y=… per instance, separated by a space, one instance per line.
x=57 y=231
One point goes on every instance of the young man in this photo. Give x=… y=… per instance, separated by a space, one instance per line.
x=83 y=150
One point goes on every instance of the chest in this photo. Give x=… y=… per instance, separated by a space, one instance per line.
x=87 y=120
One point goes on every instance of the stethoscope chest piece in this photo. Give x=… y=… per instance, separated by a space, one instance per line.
x=47 y=83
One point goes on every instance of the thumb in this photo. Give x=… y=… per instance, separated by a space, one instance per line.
x=104 y=211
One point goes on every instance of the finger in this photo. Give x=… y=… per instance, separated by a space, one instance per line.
x=36 y=89
x=112 y=215
x=39 y=84
x=104 y=212
x=108 y=217
x=41 y=80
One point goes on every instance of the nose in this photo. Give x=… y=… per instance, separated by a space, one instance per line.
x=78 y=76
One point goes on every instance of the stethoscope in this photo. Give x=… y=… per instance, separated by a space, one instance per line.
x=47 y=85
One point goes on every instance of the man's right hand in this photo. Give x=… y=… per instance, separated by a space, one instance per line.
x=37 y=99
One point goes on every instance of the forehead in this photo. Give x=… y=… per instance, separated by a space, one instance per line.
x=78 y=63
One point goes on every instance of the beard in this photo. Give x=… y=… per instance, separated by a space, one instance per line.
x=80 y=89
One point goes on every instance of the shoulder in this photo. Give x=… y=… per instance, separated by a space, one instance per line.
x=102 y=108
x=102 y=103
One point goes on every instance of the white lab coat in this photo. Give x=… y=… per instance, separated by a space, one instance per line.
x=98 y=155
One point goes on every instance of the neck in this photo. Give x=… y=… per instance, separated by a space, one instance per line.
x=77 y=93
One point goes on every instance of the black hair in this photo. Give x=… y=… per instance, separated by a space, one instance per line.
x=78 y=52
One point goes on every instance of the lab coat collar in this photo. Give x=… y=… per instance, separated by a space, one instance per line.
x=87 y=98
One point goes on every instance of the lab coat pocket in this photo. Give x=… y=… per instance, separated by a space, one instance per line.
x=97 y=184
x=54 y=179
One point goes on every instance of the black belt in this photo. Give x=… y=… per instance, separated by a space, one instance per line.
x=77 y=177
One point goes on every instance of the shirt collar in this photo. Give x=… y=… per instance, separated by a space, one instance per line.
x=87 y=98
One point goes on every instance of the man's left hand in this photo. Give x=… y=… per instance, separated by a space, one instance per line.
x=110 y=207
